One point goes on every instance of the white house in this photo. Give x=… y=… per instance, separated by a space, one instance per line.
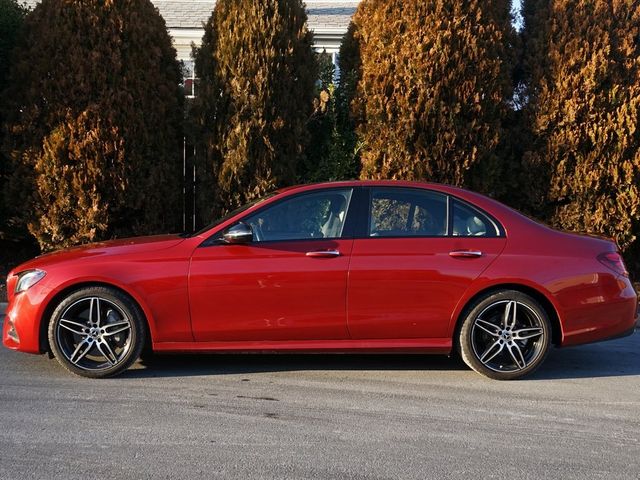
x=328 y=19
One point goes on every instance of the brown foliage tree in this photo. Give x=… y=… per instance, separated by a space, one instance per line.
x=81 y=181
x=94 y=107
x=257 y=72
x=11 y=19
x=434 y=89
x=584 y=88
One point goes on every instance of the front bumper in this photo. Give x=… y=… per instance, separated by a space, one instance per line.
x=21 y=327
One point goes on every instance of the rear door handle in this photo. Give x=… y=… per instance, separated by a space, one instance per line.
x=324 y=254
x=465 y=254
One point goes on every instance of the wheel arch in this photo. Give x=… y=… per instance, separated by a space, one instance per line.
x=58 y=296
x=538 y=295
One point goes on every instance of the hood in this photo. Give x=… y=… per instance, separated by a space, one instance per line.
x=111 y=247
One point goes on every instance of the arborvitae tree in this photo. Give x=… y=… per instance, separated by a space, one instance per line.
x=584 y=109
x=434 y=88
x=11 y=19
x=316 y=165
x=94 y=121
x=257 y=72
x=350 y=66
x=332 y=153
x=84 y=156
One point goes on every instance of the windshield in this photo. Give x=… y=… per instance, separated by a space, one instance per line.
x=233 y=213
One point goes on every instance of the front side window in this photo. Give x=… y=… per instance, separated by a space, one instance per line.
x=233 y=213
x=404 y=212
x=307 y=216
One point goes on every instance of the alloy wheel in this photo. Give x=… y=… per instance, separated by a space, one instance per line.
x=94 y=334
x=508 y=336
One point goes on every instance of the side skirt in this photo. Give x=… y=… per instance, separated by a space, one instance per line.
x=415 y=345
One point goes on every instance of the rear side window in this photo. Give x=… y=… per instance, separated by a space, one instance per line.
x=404 y=212
x=469 y=222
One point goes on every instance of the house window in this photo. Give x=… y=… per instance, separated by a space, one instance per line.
x=335 y=56
x=189 y=78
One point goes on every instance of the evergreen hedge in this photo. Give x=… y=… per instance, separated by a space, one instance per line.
x=11 y=19
x=434 y=82
x=94 y=123
x=332 y=153
x=257 y=72
x=92 y=111
x=583 y=69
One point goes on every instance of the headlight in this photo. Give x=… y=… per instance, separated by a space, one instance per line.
x=28 y=279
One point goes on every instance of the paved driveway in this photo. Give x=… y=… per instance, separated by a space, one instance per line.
x=324 y=417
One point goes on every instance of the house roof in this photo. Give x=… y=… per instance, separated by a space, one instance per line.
x=193 y=13
x=328 y=15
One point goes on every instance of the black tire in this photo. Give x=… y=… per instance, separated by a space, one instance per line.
x=491 y=339
x=96 y=322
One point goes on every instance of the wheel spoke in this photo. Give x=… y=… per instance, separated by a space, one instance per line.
x=490 y=328
x=490 y=354
x=118 y=326
x=92 y=310
x=75 y=327
x=107 y=352
x=525 y=333
x=519 y=358
x=510 y=314
x=81 y=350
x=98 y=319
x=505 y=315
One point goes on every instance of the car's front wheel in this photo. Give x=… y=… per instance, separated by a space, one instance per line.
x=505 y=335
x=97 y=332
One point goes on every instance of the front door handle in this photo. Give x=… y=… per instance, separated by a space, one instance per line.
x=465 y=254
x=324 y=254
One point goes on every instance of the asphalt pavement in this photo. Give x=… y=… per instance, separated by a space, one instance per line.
x=324 y=417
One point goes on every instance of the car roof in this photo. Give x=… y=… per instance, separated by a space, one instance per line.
x=367 y=183
x=441 y=187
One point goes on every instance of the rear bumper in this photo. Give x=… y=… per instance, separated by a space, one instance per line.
x=628 y=333
x=610 y=314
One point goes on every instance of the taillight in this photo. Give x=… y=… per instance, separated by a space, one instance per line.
x=614 y=261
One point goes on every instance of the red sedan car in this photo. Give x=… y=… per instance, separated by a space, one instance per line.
x=350 y=266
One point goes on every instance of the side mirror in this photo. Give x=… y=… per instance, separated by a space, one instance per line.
x=238 y=234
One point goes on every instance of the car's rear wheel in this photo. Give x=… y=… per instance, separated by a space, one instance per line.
x=97 y=332
x=505 y=335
